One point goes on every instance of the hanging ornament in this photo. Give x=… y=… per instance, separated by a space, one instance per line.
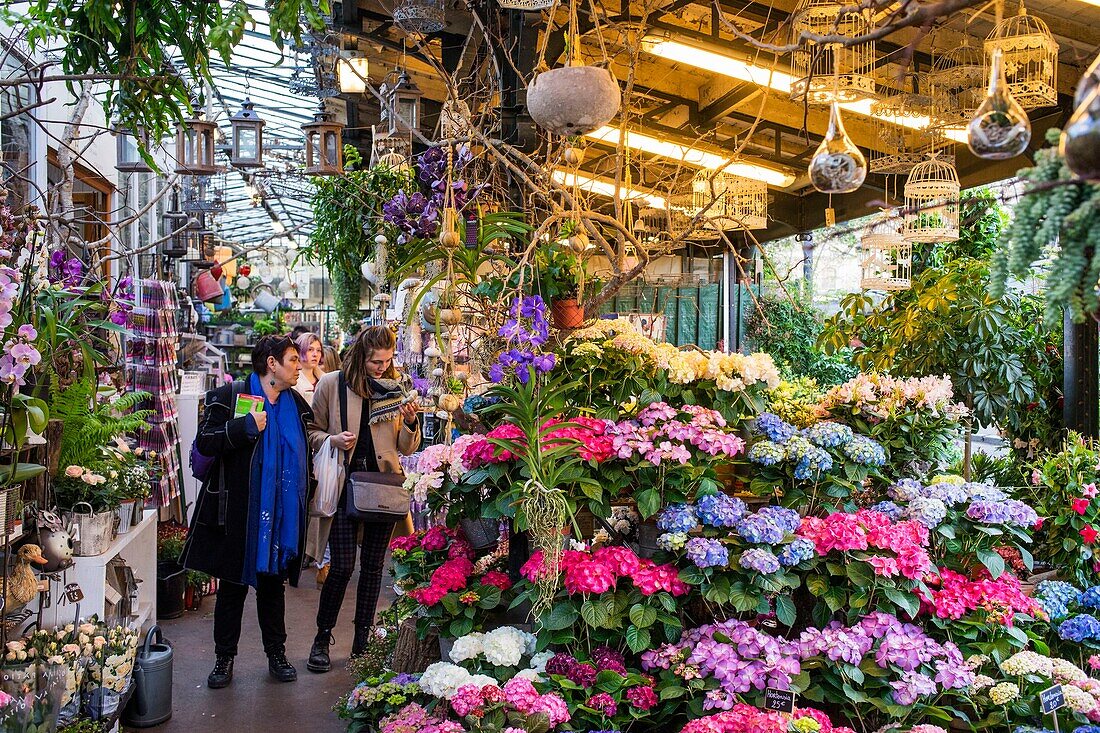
x=1000 y=128
x=572 y=155
x=381 y=240
x=579 y=242
x=437 y=372
x=243 y=282
x=449 y=235
x=1080 y=141
x=837 y=166
x=449 y=403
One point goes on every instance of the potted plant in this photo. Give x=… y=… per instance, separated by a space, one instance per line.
x=89 y=500
x=171 y=576
x=558 y=280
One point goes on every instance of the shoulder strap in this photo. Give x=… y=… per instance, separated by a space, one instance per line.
x=343 y=403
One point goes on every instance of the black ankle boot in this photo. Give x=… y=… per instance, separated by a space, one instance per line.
x=280 y=668
x=359 y=643
x=318 y=654
x=222 y=674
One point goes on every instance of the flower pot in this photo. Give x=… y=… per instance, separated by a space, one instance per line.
x=171 y=589
x=567 y=313
x=573 y=100
x=95 y=531
x=126 y=515
x=481 y=533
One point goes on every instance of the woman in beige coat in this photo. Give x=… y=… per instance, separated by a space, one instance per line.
x=380 y=427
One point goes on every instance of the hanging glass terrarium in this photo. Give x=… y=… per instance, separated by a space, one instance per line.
x=1000 y=128
x=837 y=166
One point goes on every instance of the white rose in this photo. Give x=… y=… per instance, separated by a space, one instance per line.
x=88 y=478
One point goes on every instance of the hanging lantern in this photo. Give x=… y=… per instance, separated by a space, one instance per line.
x=324 y=145
x=832 y=71
x=1080 y=140
x=403 y=105
x=420 y=16
x=354 y=67
x=1000 y=128
x=886 y=257
x=174 y=244
x=248 y=137
x=128 y=150
x=932 y=202
x=190 y=241
x=958 y=81
x=195 y=147
x=1030 y=59
x=838 y=166
x=895 y=118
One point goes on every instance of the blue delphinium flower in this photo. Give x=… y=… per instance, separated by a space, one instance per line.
x=767 y=453
x=888 y=508
x=707 y=553
x=798 y=551
x=828 y=434
x=720 y=510
x=760 y=560
x=774 y=428
x=1079 y=628
x=677 y=518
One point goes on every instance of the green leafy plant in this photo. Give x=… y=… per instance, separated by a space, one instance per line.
x=1068 y=537
x=788 y=328
x=90 y=422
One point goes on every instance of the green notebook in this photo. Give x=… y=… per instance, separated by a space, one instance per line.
x=246 y=403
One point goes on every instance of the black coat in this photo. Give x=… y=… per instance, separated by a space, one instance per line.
x=219 y=526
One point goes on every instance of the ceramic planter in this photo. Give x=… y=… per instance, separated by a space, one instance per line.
x=567 y=313
x=573 y=100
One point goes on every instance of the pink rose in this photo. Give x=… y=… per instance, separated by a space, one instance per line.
x=74 y=471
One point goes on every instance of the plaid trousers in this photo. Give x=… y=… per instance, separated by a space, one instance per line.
x=342 y=542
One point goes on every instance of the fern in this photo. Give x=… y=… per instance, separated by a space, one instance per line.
x=88 y=424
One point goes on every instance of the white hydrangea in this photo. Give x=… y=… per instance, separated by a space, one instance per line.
x=1066 y=671
x=467 y=647
x=981 y=682
x=1078 y=700
x=529 y=674
x=504 y=647
x=481 y=680
x=531 y=642
x=1028 y=662
x=538 y=662
x=442 y=679
x=1004 y=693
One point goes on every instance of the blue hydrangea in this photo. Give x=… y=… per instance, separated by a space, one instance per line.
x=1055 y=596
x=929 y=512
x=798 y=551
x=720 y=510
x=1080 y=627
x=760 y=529
x=707 y=553
x=1031 y=729
x=888 y=508
x=787 y=520
x=949 y=494
x=672 y=541
x=828 y=434
x=865 y=451
x=774 y=427
x=906 y=490
x=760 y=560
x=767 y=453
x=677 y=518
x=1087 y=729
x=812 y=461
x=1090 y=598
x=984 y=492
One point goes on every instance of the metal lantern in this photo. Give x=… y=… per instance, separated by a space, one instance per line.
x=420 y=16
x=174 y=244
x=932 y=202
x=958 y=80
x=1030 y=59
x=195 y=147
x=886 y=258
x=832 y=71
x=324 y=145
x=403 y=105
x=128 y=149
x=248 y=137
x=897 y=118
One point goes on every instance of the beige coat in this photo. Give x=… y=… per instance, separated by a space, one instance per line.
x=391 y=440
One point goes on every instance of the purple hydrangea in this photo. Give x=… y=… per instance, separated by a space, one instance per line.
x=911 y=687
x=906 y=489
x=707 y=553
x=786 y=519
x=775 y=428
x=759 y=529
x=720 y=510
x=927 y=511
x=1079 y=628
x=677 y=518
x=1009 y=511
x=760 y=560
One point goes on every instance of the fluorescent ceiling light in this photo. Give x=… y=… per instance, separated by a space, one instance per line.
x=780 y=81
x=694 y=156
x=605 y=187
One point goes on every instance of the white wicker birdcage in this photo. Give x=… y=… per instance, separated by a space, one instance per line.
x=1030 y=58
x=886 y=259
x=420 y=16
x=723 y=202
x=531 y=5
x=932 y=202
x=824 y=72
x=958 y=80
x=902 y=120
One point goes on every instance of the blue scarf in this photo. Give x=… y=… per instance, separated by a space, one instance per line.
x=278 y=488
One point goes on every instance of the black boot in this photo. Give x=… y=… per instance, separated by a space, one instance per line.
x=222 y=674
x=359 y=643
x=318 y=654
x=280 y=668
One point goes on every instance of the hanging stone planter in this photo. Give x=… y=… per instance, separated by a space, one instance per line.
x=573 y=100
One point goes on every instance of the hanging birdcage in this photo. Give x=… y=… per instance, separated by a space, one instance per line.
x=827 y=72
x=420 y=16
x=932 y=202
x=958 y=80
x=529 y=5
x=902 y=120
x=886 y=258
x=1030 y=59
x=722 y=202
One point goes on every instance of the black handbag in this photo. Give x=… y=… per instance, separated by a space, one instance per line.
x=371 y=496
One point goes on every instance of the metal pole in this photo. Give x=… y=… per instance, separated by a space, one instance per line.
x=1081 y=381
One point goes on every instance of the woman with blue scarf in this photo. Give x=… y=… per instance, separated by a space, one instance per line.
x=249 y=524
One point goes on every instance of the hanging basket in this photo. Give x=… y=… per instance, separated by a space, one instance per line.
x=420 y=16
x=573 y=100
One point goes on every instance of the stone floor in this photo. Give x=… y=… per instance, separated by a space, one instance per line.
x=253 y=703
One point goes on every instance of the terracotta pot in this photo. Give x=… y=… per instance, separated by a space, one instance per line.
x=567 y=313
x=573 y=100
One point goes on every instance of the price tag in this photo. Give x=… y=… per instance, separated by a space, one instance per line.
x=193 y=383
x=1051 y=699
x=779 y=700
x=73 y=594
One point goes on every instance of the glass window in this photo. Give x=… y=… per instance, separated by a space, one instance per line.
x=16 y=133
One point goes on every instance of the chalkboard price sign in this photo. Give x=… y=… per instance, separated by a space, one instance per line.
x=780 y=700
x=1051 y=699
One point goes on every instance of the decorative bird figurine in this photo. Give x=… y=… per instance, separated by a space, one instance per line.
x=22 y=584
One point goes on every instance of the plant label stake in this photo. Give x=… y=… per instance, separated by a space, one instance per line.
x=1050 y=700
x=779 y=700
x=73 y=594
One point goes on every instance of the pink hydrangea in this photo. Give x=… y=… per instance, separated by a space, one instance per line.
x=434 y=539
x=554 y=708
x=467 y=699
x=586 y=575
x=521 y=694
x=621 y=560
x=497 y=578
x=642 y=697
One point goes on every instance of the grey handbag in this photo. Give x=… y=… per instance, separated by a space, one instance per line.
x=372 y=496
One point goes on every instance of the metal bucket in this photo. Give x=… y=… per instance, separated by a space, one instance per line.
x=93 y=532
x=125 y=516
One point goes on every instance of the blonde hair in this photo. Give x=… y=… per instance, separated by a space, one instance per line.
x=369 y=340
x=331 y=360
